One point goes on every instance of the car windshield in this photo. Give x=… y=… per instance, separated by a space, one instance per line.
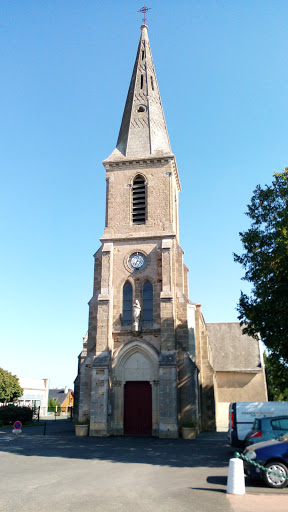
x=256 y=424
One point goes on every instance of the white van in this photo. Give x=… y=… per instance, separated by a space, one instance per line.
x=243 y=414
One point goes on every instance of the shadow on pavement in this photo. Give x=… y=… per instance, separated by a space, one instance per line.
x=218 y=480
x=60 y=441
x=207 y=489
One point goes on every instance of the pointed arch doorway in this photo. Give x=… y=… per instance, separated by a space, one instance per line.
x=135 y=368
x=137 y=408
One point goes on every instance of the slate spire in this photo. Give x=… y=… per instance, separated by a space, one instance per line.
x=143 y=132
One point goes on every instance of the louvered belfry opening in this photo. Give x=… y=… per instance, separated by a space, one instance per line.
x=139 y=201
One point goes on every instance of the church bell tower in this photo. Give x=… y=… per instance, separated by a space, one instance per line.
x=137 y=373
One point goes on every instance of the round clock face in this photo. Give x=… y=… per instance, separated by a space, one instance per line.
x=137 y=260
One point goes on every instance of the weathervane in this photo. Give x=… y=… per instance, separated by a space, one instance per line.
x=144 y=10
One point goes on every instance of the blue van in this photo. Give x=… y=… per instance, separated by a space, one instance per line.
x=266 y=429
x=243 y=414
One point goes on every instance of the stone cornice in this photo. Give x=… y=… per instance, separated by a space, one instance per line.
x=114 y=165
x=156 y=236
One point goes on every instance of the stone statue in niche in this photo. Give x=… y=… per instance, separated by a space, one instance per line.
x=136 y=315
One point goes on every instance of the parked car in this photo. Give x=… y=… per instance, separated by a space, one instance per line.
x=266 y=429
x=243 y=414
x=273 y=455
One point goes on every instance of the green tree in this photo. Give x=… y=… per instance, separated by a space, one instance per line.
x=276 y=377
x=52 y=404
x=265 y=260
x=10 y=389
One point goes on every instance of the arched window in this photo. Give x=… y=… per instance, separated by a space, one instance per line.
x=139 y=200
x=147 y=303
x=127 y=304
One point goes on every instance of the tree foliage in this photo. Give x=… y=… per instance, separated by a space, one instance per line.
x=265 y=261
x=54 y=405
x=276 y=378
x=10 y=389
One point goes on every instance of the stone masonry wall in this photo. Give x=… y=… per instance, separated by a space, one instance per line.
x=206 y=372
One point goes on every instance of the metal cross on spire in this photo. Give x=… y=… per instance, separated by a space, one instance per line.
x=144 y=10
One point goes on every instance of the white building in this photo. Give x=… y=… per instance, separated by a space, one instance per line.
x=35 y=393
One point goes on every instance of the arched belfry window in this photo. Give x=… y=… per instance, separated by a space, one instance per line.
x=139 y=200
x=127 y=304
x=147 y=303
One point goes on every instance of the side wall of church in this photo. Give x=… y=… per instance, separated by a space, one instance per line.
x=82 y=387
x=206 y=372
x=237 y=387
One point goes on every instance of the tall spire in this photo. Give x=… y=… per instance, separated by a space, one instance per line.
x=143 y=132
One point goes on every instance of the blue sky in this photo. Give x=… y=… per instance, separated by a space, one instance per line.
x=66 y=65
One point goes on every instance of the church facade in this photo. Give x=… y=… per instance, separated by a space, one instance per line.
x=146 y=367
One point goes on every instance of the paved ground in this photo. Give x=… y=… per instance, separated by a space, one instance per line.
x=61 y=472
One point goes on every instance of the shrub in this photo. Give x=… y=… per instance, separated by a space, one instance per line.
x=11 y=413
x=85 y=421
x=54 y=406
x=189 y=424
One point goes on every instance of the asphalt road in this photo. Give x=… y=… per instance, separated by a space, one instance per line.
x=62 y=472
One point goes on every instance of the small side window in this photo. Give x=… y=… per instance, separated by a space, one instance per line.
x=284 y=424
x=275 y=425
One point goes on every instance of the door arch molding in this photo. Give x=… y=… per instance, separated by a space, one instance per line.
x=149 y=356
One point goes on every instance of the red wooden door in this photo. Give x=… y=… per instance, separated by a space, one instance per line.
x=138 y=408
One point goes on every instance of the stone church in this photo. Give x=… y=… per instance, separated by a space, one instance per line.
x=146 y=367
